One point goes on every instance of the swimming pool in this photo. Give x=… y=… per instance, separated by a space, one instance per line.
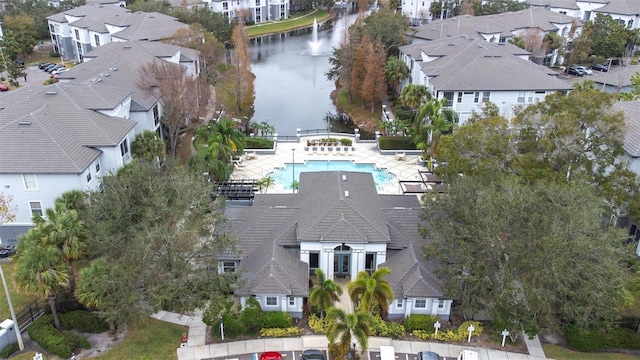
x=283 y=176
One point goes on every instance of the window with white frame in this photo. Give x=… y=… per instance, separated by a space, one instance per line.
x=398 y=303
x=124 y=147
x=97 y=166
x=421 y=303
x=77 y=34
x=292 y=301
x=459 y=96
x=97 y=39
x=36 y=208
x=89 y=176
x=272 y=301
x=521 y=96
x=441 y=305
x=156 y=115
x=476 y=97
x=229 y=266
x=486 y=96
x=30 y=182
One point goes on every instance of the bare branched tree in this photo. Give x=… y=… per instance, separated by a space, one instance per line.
x=181 y=95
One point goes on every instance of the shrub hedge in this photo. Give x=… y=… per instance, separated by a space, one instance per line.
x=83 y=321
x=596 y=340
x=257 y=143
x=420 y=322
x=9 y=350
x=276 y=319
x=318 y=325
x=459 y=334
x=396 y=143
x=388 y=328
x=59 y=343
x=281 y=332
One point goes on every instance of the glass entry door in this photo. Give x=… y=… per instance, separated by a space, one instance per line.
x=341 y=264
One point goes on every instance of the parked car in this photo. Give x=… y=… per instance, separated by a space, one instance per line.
x=20 y=62
x=7 y=251
x=43 y=65
x=572 y=70
x=271 y=355
x=428 y=355
x=59 y=71
x=468 y=355
x=585 y=69
x=600 y=67
x=49 y=67
x=57 y=67
x=4 y=87
x=313 y=354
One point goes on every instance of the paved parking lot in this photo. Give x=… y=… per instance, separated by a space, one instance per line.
x=297 y=355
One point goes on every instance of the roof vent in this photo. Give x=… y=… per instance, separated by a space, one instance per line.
x=51 y=92
x=346 y=193
x=344 y=177
x=106 y=74
x=24 y=123
x=115 y=68
x=99 y=80
x=127 y=46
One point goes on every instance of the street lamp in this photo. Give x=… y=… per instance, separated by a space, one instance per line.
x=16 y=326
x=293 y=170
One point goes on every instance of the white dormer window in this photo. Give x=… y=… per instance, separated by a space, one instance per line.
x=30 y=182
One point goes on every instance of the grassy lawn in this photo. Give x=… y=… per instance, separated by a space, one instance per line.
x=146 y=339
x=285 y=25
x=18 y=298
x=559 y=353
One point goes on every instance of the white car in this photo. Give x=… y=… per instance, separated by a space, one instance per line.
x=585 y=69
x=59 y=71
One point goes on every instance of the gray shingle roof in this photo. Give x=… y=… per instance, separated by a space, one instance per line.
x=116 y=65
x=622 y=7
x=468 y=64
x=411 y=275
x=93 y=16
x=272 y=269
x=273 y=223
x=631 y=110
x=505 y=24
x=562 y=4
x=146 y=26
x=340 y=206
x=46 y=131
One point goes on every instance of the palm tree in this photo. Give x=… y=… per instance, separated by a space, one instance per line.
x=414 y=95
x=148 y=146
x=431 y=121
x=40 y=269
x=372 y=290
x=324 y=293
x=345 y=327
x=64 y=229
x=396 y=71
x=265 y=183
x=220 y=140
x=71 y=200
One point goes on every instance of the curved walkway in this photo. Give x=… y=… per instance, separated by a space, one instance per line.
x=196 y=349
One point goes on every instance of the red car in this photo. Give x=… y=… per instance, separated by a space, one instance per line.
x=271 y=355
x=4 y=87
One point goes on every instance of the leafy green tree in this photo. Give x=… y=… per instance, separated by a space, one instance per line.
x=22 y=29
x=498 y=7
x=160 y=225
x=531 y=252
x=386 y=27
x=439 y=121
x=395 y=71
x=40 y=269
x=38 y=10
x=517 y=41
x=325 y=293
x=150 y=6
x=345 y=327
x=7 y=209
x=107 y=287
x=609 y=37
x=215 y=23
x=66 y=5
x=372 y=290
x=148 y=146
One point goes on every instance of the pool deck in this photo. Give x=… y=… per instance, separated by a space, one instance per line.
x=405 y=167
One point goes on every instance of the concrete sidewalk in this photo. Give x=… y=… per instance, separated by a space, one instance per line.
x=196 y=349
x=320 y=342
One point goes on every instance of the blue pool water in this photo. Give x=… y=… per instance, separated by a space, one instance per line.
x=283 y=176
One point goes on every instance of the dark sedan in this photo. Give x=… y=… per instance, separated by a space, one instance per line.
x=313 y=354
x=575 y=71
x=599 y=67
